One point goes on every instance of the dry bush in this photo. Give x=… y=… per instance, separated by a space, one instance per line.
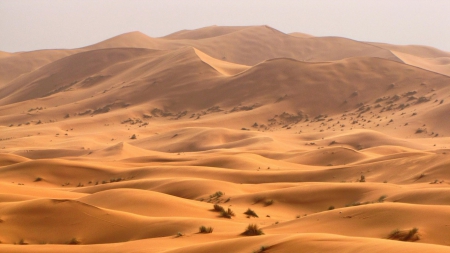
x=205 y=230
x=253 y=229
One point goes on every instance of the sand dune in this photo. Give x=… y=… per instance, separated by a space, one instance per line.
x=132 y=144
x=14 y=65
x=438 y=65
x=223 y=67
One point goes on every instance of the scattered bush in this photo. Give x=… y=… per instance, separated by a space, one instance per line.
x=217 y=194
x=253 y=229
x=74 y=241
x=38 y=179
x=133 y=137
x=382 y=198
x=250 y=212
x=331 y=208
x=420 y=130
x=262 y=249
x=218 y=208
x=227 y=214
x=268 y=202
x=421 y=176
x=205 y=230
x=405 y=235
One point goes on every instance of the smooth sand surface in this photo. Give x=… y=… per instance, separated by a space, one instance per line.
x=126 y=145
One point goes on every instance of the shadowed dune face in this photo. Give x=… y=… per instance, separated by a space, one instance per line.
x=194 y=141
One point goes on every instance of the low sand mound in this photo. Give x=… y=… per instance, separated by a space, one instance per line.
x=8 y=159
x=346 y=221
x=316 y=197
x=121 y=150
x=309 y=242
x=312 y=242
x=10 y=197
x=50 y=153
x=189 y=188
x=241 y=162
x=225 y=68
x=69 y=221
x=53 y=172
x=364 y=139
x=199 y=139
x=138 y=202
x=328 y=157
x=432 y=196
x=21 y=191
x=387 y=150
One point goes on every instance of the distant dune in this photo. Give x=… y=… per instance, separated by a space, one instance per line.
x=178 y=143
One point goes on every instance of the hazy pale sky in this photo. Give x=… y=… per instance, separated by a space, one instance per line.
x=31 y=24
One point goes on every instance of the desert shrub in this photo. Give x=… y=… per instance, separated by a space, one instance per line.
x=268 y=202
x=261 y=249
x=362 y=179
x=394 y=233
x=74 y=241
x=411 y=234
x=227 y=214
x=133 y=137
x=217 y=194
x=218 y=208
x=38 y=179
x=179 y=234
x=250 y=212
x=253 y=229
x=405 y=235
x=331 y=208
x=421 y=176
x=357 y=203
x=382 y=198
x=205 y=230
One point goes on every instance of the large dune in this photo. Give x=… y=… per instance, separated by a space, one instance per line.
x=127 y=145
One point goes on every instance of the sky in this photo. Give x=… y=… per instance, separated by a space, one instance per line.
x=27 y=25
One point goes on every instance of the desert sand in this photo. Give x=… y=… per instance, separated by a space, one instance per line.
x=134 y=143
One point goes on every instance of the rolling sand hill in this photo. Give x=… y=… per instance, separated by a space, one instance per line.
x=133 y=144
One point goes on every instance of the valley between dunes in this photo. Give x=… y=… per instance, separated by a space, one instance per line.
x=132 y=144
